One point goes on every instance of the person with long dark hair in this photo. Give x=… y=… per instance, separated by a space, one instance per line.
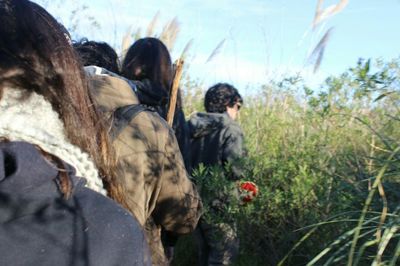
x=56 y=163
x=148 y=153
x=148 y=64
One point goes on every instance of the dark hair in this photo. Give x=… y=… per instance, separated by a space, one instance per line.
x=98 y=54
x=148 y=58
x=35 y=56
x=219 y=96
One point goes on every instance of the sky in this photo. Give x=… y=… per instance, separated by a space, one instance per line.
x=264 y=39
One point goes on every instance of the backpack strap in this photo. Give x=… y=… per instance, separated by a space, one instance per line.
x=123 y=116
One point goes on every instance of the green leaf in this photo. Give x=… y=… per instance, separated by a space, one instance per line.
x=383 y=95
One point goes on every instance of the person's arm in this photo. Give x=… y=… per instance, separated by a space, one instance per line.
x=181 y=129
x=233 y=151
x=179 y=206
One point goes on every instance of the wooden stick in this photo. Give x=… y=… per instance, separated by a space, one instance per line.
x=174 y=91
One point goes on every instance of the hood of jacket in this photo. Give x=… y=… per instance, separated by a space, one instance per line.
x=202 y=124
x=150 y=93
x=25 y=172
x=109 y=89
x=120 y=91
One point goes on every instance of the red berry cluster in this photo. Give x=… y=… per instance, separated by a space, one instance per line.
x=248 y=190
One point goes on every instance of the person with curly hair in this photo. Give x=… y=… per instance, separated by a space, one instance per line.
x=93 y=53
x=217 y=140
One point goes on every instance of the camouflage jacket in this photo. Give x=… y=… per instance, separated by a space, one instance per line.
x=160 y=193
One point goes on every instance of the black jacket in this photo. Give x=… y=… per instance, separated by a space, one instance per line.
x=39 y=227
x=216 y=139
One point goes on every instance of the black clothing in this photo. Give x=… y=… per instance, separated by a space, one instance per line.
x=216 y=139
x=182 y=134
x=39 y=227
x=150 y=93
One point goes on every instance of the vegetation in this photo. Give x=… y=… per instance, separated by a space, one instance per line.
x=326 y=160
x=327 y=166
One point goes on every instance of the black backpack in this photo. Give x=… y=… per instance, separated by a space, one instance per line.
x=123 y=116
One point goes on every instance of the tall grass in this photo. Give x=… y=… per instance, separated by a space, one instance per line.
x=326 y=161
x=327 y=165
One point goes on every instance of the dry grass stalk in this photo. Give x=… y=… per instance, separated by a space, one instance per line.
x=216 y=50
x=370 y=162
x=174 y=90
x=384 y=212
x=323 y=14
x=318 y=52
x=152 y=24
x=137 y=35
x=126 y=42
x=170 y=33
x=187 y=48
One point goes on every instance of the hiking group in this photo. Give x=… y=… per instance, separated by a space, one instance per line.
x=90 y=171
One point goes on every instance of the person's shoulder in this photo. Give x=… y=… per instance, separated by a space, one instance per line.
x=114 y=82
x=114 y=234
x=149 y=121
x=108 y=85
x=103 y=209
x=153 y=121
x=232 y=131
x=233 y=127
